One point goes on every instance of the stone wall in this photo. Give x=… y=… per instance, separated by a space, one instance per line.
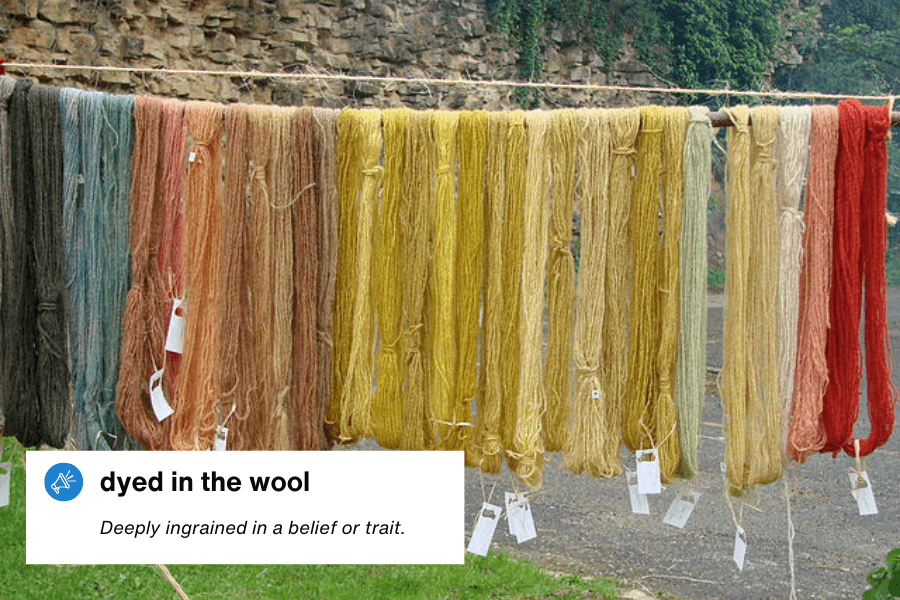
x=406 y=38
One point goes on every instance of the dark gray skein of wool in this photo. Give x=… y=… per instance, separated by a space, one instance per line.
x=7 y=84
x=52 y=355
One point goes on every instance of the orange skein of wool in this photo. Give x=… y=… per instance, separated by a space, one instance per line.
x=194 y=422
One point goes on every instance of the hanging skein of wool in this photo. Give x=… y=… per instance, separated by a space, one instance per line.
x=386 y=407
x=841 y=403
x=281 y=199
x=623 y=127
x=472 y=146
x=806 y=434
x=415 y=220
x=487 y=447
x=560 y=283
x=663 y=416
x=235 y=370
x=348 y=172
x=18 y=384
x=881 y=395
x=143 y=330
x=7 y=84
x=584 y=448
x=356 y=400
x=52 y=357
x=763 y=409
x=639 y=429
x=736 y=356
x=195 y=418
x=691 y=382
x=528 y=447
x=443 y=373
x=793 y=148
x=172 y=241
x=513 y=247
x=261 y=271
x=324 y=135
x=306 y=257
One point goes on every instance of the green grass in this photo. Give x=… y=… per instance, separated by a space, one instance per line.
x=497 y=576
x=715 y=279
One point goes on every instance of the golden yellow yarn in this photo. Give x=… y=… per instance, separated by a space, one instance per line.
x=513 y=246
x=528 y=448
x=348 y=159
x=386 y=413
x=623 y=127
x=560 y=283
x=472 y=140
x=356 y=398
x=584 y=450
x=487 y=444
x=443 y=269
x=415 y=221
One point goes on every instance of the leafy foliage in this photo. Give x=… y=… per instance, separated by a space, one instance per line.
x=884 y=583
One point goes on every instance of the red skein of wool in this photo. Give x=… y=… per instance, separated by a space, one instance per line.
x=881 y=393
x=841 y=402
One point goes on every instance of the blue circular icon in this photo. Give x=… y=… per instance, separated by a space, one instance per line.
x=63 y=481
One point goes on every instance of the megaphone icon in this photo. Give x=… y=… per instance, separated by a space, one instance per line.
x=63 y=481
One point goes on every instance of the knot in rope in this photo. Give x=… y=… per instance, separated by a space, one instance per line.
x=624 y=150
x=492 y=446
x=375 y=171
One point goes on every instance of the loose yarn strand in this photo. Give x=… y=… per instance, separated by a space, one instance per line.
x=527 y=444
x=691 y=365
x=807 y=435
x=584 y=447
x=560 y=283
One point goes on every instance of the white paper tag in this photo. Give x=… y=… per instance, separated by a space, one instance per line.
x=518 y=515
x=161 y=408
x=191 y=157
x=648 y=471
x=5 y=476
x=595 y=394
x=639 y=505
x=484 y=529
x=740 y=547
x=862 y=491
x=175 y=337
x=680 y=510
x=221 y=438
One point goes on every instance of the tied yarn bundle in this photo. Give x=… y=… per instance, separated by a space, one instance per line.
x=691 y=364
x=584 y=447
x=806 y=431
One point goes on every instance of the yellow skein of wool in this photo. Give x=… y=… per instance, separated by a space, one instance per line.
x=348 y=159
x=443 y=375
x=643 y=321
x=736 y=357
x=488 y=447
x=529 y=450
x=280 y=196
x=623 y=128
x=356 y=401
x=386 y=413
x=472 y=140
x=415 y=220
x=513 y=246
x=560 y=283
x=763 y=405
x=664 y=414
x=584 y=449
x=261 y=257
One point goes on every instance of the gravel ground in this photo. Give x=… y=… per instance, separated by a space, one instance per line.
x=586 y=525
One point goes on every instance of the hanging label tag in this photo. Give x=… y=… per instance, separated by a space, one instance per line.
x=639 y=505
x=595 y=394
x=518 y=515
x=680 y=510
x=740 y=547
x=484 y=529
x=161 y=408
x=175 y=337
x=5 y=478
x=862 y=491
x=648 y=471
x=191 y=157
x=221 y=438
